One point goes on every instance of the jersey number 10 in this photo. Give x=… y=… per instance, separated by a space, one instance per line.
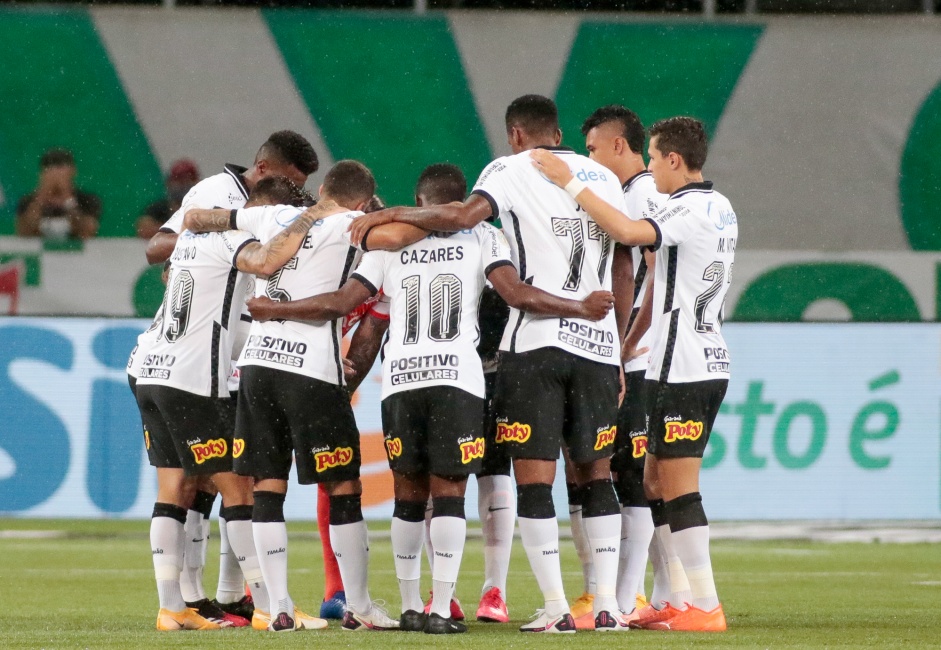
x=444 y=291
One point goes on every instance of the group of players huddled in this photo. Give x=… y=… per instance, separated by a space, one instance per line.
x=607 y=277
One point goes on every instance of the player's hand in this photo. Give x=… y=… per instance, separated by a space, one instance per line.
x=349 y=370
x=361 y=225
x=261 y=308
x=622 y=385
x=597 y=305
x=551 y=166
x=629 y=352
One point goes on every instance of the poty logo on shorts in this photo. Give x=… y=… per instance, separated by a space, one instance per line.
x=394 y=448
x=639 y=446
x=336 y=458
x=515 y=432
x=238 y=446
x=688 y=430
x=212 y=449
x=472 y=450
x=605 y=437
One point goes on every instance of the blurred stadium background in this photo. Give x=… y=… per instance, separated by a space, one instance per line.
x=825 y=126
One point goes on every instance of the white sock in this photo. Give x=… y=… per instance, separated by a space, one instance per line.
x=604 y=538
x=429 y=547
x=191 y=577
x=541 y=542
x=582 y=547
x=407 y=538
x=449 y=534
x=231 y=582
x=166 y=547
x=692 y=546
x=661 y=572
x=496 y=505
x=241 y=536
x=679 y=584
x=351 y=548
x=271 y=547
x=636 y=534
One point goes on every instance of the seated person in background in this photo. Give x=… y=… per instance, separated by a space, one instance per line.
x=183 y=175
x=57 y=209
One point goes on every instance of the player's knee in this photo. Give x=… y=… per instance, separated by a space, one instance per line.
x=238 y=513
x=534 y=501
x=413 y=511
x=269 y=507
x=599 y=499
x=169 y=510
x=448 y=507
x=345 y=509
x=685 y=511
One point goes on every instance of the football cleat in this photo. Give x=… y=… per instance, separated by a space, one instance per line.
x=436 y=624
x=649 y=615
x=334 y=607
x=375 y=619
x=188 y=619
x=693 y=619
x=244 y=607
x=282 y=623
x=492 y=607
x=412 y=621
x=211 y=612
x=562 y=624
x=262 y=621
x=457 y=612
x=607 y=621
x=640 y=601
x=583 y=612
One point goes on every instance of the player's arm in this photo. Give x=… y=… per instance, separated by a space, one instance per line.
x=320 y=308
x=390 y=236
x=160 y=247
x=208 y=220
x=364 y=348
x=265 y=259
x=528 y=298
x=614 y=222
x=644 y=315
x=450 y=217
x=622 y=285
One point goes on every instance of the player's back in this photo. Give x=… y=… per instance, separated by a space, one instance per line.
x=224 y=190
x=557 y=248
x=200 y=313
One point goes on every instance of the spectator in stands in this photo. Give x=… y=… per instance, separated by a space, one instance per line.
x=183 y=175
x=57 y=209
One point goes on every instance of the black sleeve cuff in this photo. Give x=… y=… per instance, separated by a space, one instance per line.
x=232 y=219
x=495 y=265
x=363 y=245
x=656 y=245
x=168 y=231
x=235 y=256
x=366 y=283
x=494 y=208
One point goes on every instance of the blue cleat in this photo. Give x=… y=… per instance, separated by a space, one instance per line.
x=334 y=608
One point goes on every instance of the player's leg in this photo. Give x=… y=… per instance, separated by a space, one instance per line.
x=530 y=411
x=196 y=542
x=448 y=532
x=591 y=429
x=583 y=606
x=496 y=506
x=679 y=444
x=334 y=598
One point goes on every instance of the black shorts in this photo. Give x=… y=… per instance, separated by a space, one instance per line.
x=281 y=414
x=154 y=459
x=183 y=430
x=681 y=416
x=434 y=430
x=496 y=459
x=549 y=397
x=630 y=446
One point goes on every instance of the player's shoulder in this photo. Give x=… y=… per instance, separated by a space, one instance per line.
x=496 y=167
x=338 y=220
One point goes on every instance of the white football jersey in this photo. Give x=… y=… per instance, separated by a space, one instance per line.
x=322 y=265
x=200 y=315
x=696 y=236
x=144 y=341
x=434 y=286
x=225 y=190
x=558 y=248
x=643 y=201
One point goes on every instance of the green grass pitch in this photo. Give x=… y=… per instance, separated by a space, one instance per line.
x=93 y=588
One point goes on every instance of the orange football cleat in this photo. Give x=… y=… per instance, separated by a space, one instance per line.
x=649 y=615
x=693 y=619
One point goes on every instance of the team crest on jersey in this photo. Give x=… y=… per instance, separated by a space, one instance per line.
x=689 y=430
x=605 y=437
x=471 y=450
x=394 y=448
x=238 y=446
x=203 y=451
x=337 y=458
x=639 y=446
x=515 y=432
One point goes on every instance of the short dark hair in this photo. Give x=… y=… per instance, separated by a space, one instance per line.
x=632 y=129
x=685 y=136
x=375 y=204
x=349 y=182
x=534 y=114
x=442 y=183
x=57 y=157
x=292 y=149
x=278 y=190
